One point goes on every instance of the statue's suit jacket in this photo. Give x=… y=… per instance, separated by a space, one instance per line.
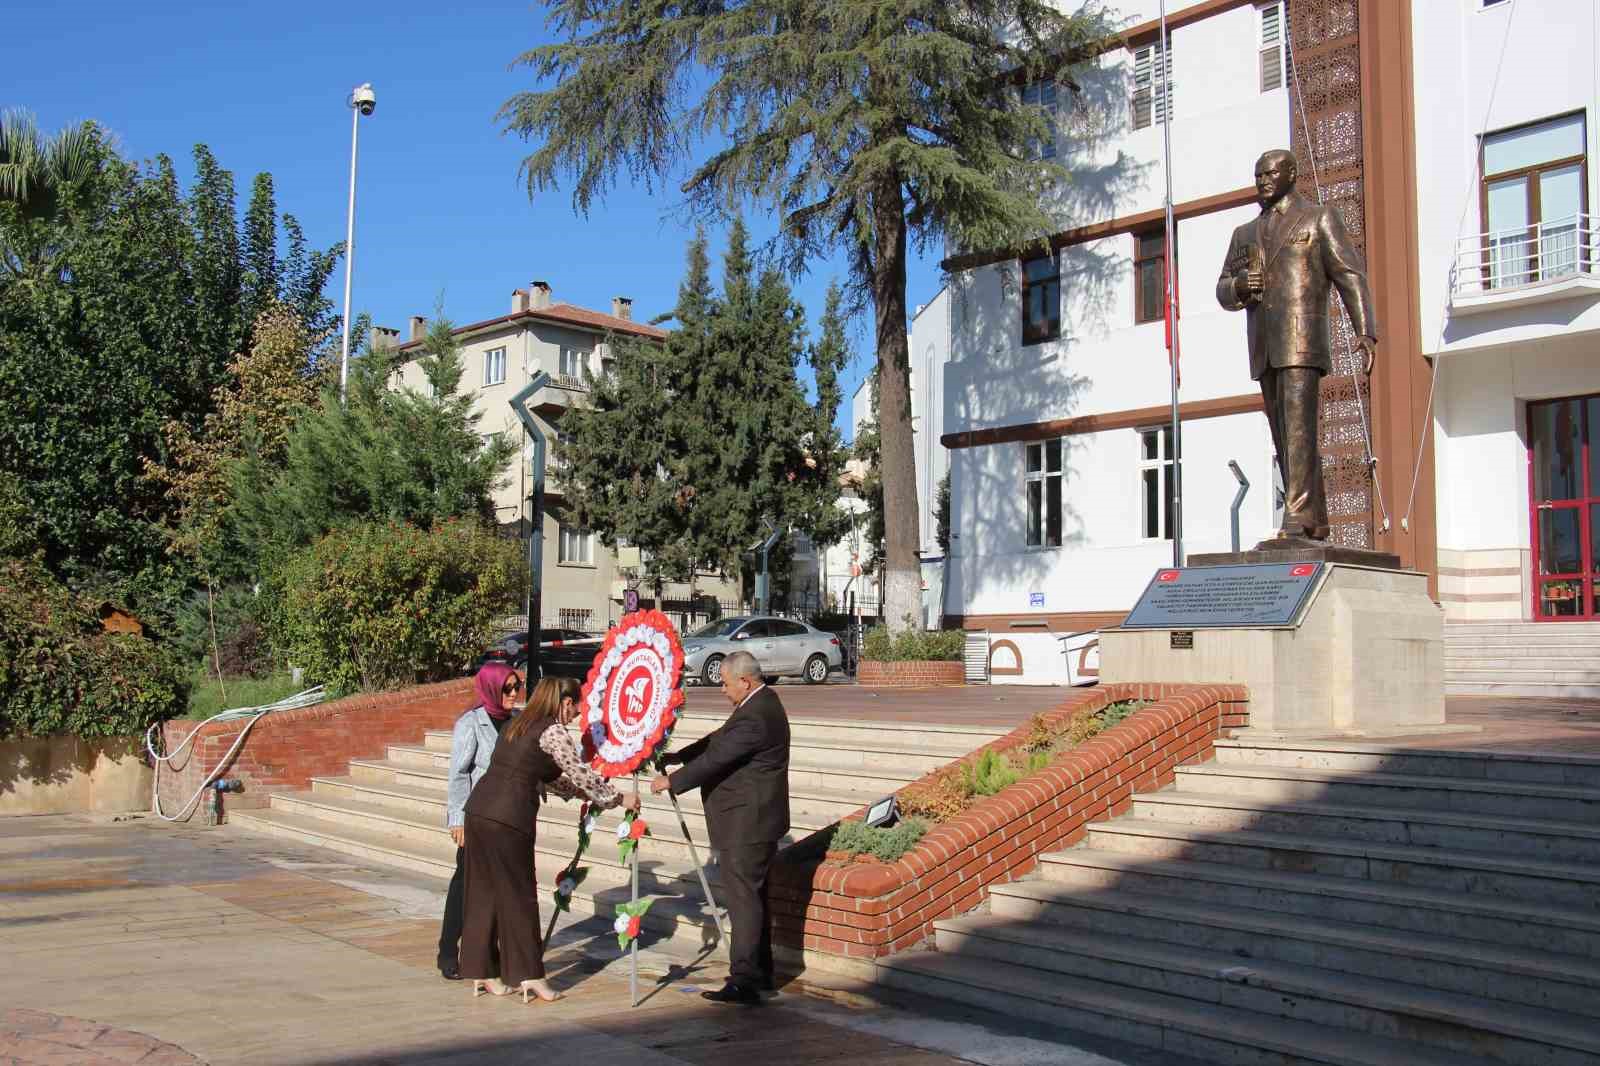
x=1309 y=251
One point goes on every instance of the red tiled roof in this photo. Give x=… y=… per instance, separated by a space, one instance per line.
x=569 y=314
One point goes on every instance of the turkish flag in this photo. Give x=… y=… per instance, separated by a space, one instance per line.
x=1303 y=570
x=1169 y=278
x=1167 y=575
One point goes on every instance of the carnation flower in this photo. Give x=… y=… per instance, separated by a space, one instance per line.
x=622 y=830
x=622 y=923
x=637 y=829
x=633 y=926
x=590 y=821
x=566 y=885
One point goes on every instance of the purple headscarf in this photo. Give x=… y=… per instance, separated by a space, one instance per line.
x=490 y=682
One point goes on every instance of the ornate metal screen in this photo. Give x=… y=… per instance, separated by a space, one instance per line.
x=1325 y=101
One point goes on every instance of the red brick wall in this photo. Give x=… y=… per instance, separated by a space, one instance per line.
x=286 y=749
x=877 y=674
x=871 y=910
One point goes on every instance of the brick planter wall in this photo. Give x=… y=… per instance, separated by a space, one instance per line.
x=286 y=749
x=877 y=674
x=865 y=911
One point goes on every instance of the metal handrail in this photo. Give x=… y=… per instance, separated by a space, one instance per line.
x=1525 y=255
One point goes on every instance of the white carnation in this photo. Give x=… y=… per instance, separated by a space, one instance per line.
x=621 y=924
x=566 y=886
x=622 y=830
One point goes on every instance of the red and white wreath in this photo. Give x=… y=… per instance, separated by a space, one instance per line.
x=631 y=699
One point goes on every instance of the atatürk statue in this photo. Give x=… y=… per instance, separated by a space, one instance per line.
x=1278 y=270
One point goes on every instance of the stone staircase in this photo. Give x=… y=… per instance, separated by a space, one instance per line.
x=1522 y=659
x=392 y=810
x=1324 y=903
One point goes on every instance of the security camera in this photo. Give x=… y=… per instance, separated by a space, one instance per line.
x=363 y=99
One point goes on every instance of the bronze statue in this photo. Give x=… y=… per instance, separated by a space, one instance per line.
x=1278 y=270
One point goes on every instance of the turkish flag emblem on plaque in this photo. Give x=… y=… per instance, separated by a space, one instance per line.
x=630 y=701
x=1303 y=570
x=1168 y=575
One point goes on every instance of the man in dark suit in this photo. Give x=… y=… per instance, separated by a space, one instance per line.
x=742 y=771
x=1280 y=269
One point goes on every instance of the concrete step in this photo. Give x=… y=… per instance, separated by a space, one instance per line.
x=678 y=914
x=1210 y=1031
x=1562 y=842
x=1511 y=923
x=1507 y=799
x=1523 y=630
x=1510 y=877
x=1475 y=968
x=1525 y=673
x=1521 y=689
x=868 y=785
x=1582 y=771
x=1294 y=992
x=908 y=760
x=809 y=806
x=557 y=835
x=845 y=732
x=1488 y=652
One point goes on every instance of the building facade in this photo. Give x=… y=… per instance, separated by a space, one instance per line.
x=1510 y=286
x=584 y=580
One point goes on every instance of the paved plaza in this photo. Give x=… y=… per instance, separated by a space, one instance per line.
x=124 y=939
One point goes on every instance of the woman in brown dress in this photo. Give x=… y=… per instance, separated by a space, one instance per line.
x=534 y=753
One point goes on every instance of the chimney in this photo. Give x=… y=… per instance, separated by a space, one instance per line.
x=539 y=296
x=384 y=337
x=622 y=307
x=419 y=327
x=519 y=301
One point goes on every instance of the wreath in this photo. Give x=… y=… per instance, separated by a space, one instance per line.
x=631 y=698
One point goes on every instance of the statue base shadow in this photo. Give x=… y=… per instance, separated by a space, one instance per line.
x=1299 y=550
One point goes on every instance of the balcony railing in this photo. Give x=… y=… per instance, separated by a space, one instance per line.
x=1526 y=255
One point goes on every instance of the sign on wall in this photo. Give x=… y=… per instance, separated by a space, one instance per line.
x=1035 y=599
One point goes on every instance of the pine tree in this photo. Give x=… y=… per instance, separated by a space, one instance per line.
x=863 y=125
x=816 y=489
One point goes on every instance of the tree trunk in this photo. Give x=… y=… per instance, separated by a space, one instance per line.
x=902 y=587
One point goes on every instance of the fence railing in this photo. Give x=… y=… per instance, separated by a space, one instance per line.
x=1525 y=255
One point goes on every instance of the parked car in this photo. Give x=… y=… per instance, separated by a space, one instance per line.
x=783 y=647
x=559 y=656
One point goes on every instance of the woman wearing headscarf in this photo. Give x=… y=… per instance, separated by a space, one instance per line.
x=500 y=944
x=472 y=743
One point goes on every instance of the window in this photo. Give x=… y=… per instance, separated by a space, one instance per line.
x=1150 y=275
x=572 y=363
x=1043 y=486
x=575 y=618
x=494 y=366
x=1533 y=202
x=1155 y=483
x=788 y=629
x=1042 y=95
x=577 y=545
x=1152 y=84
x=1274 y=41
x=1041 y=299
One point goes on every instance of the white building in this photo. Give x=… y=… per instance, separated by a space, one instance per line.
x=1455 y=143
x=1056 y=394
x=1510 y=296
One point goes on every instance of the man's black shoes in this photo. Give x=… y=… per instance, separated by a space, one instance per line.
x=732 y=993
x=450 y=971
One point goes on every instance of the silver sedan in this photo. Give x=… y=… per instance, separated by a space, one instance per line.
x=784 y=648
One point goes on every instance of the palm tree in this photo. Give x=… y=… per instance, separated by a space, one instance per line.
x=37 y=176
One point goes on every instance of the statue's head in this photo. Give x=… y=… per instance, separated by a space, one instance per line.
x=1275 y=176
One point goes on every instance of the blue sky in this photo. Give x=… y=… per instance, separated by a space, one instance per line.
x=440 y=207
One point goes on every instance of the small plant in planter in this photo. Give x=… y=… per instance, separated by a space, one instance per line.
x=856 y=841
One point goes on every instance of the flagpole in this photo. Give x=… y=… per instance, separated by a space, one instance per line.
x=1172 y=301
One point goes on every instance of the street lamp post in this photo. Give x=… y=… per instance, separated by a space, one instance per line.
x=362 y=101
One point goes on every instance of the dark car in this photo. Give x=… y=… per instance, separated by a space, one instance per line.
x=561 y=652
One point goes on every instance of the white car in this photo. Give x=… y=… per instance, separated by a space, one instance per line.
x=783 y=647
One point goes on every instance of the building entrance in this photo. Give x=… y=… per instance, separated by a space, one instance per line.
x=1565 y=496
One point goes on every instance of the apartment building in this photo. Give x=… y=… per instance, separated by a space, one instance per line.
x=584 y=580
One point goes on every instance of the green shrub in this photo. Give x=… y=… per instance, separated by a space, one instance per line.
x=381 y=605
x=62 y=674
x=913 y=645
x=884 y=844
x=1116 y=712
x=990 y=772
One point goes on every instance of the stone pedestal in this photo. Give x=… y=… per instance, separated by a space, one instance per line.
x=1367 y=657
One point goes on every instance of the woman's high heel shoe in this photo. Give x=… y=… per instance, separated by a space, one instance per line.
x=541 y=988
x=492 y=985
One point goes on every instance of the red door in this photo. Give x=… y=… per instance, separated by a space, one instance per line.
x=1565 y=495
